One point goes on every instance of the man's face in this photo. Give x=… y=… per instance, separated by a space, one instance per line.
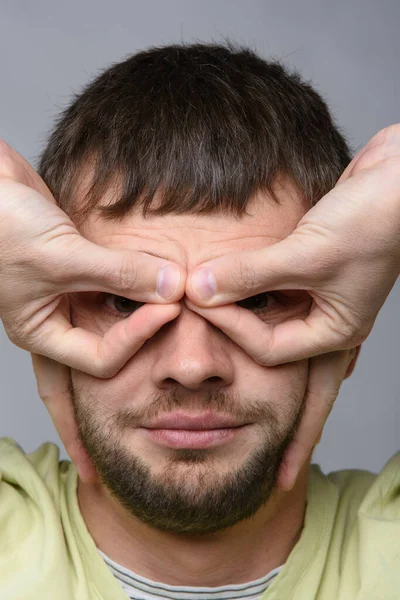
x=191 y=366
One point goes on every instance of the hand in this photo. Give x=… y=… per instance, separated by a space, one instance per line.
x=345 y=252
x=53 y=384
x=42 y=258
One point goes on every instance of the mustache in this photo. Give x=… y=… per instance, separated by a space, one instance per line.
x=227 y=404
x=231 y=404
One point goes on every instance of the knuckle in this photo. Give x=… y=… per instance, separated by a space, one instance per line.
x=391 y=162
x=348 y=331
x=390 y=130
x=261 y=358
x=127 y=277
x=347 y=334
x=103 y=369
x=244 y=277
x=8 y=166
x=12 y=335
x=262 y=355
x=27 y=333
x=19 y=335
x=5 y=151
x=382 y=135
x=362 y=335
x=355 y=334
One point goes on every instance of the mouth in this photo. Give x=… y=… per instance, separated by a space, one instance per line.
x=186 y=438
x=193 y=431
x=194 y=422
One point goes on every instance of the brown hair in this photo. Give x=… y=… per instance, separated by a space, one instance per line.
x=207 y=125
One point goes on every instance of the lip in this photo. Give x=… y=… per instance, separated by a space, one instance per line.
x=190 y=439
x=194 y=422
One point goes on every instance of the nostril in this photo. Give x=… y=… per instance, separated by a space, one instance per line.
x=214 y=379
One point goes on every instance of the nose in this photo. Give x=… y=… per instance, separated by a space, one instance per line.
x=192 y=353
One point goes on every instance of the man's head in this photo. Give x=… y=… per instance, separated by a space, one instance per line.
x=191 y=152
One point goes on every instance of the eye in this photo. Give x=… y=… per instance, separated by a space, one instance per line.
x=120 y=304
x=259 y=302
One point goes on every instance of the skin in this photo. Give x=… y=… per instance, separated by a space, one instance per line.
x=331 y=254
x=191 y=364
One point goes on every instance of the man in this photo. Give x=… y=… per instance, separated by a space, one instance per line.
x=224 y=153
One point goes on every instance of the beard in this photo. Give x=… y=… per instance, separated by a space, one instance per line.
x=190 y=496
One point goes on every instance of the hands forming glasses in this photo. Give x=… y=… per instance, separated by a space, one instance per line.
x=345 y=252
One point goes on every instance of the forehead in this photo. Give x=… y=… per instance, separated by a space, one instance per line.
x=193 y=239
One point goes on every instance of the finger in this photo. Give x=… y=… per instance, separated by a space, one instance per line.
x=135 y=275
x=64 y=261
x=14 y=166
x=288 y=264
x=383 y=144
x=375 y=142
x=242 y=326
x=273 y=344
x=53 y=387
x=326 y=374
x=103 y=356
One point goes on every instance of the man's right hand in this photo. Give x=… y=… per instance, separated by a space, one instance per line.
x=43 y=258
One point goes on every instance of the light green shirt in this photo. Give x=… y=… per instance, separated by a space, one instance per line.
x=349 y=548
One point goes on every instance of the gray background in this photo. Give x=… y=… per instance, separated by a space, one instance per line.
x=349 y=50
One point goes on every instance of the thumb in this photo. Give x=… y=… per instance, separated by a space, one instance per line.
x=84 y=266
x=14 y=166
x=288 y=264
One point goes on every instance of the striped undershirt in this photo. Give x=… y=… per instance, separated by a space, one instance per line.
x=140 y=588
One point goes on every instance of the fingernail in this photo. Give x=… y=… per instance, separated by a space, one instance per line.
x=204 y=284
x=168 y=280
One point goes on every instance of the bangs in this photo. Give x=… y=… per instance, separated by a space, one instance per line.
x=191 y=129
x=192 y=168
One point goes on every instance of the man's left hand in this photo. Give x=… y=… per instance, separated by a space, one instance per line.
x=345 y=252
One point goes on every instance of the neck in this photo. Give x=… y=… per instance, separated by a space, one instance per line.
x=242 y=553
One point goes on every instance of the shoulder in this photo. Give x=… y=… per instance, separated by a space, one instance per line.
x=39 y=555
x=355 y=516
x=354 y=495
x=31 y=474
x=368 y=528
x=361 y=510
x=371 y=493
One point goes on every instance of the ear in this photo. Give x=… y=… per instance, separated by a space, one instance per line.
x=353 y=361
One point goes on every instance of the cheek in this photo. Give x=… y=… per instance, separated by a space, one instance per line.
x=124 y=389
x=283 y=385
